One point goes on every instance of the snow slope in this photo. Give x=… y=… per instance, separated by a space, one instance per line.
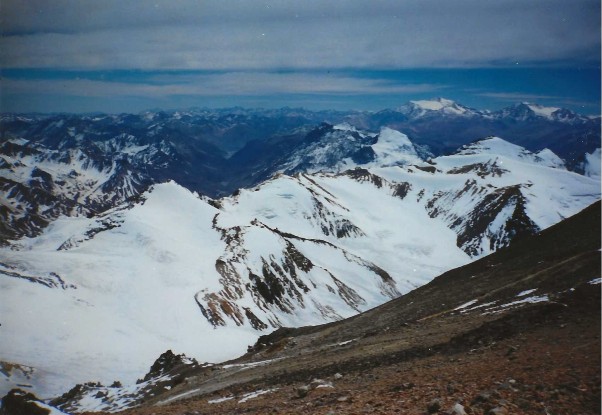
x=139 y=281
x=97 y=299
x=443 y=105
x=542 y=111
x=393 y=148
x=124 y=300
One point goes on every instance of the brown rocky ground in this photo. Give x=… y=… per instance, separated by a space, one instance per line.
x=541 y=360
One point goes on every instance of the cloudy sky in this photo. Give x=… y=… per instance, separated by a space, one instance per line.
x=131 y=55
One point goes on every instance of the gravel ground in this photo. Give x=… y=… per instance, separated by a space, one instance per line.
x=550 y=365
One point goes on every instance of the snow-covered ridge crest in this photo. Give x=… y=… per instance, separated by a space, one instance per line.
x=438 y=104
x=85 y=164
x=420 y=108
x=541 y=110
x=496 y=146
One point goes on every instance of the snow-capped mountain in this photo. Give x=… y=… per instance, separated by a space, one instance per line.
x=528 y=111
x=172 y=269
x=436 y=107
x=107 y=236
x=39 y=184
x=343 y=147
x=524 y=111
x=44 y=179
x=444 y=125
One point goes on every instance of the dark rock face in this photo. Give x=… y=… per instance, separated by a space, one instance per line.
x=35 y=208
x=167 y=362
x=401 y=190
x=17 y=402
x=363 y=175
x=167 y=372
x=486 y=211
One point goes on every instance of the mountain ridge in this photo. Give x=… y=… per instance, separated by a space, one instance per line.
x=85 y=165
x=294 y=250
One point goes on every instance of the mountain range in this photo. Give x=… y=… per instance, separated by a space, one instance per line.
x=201 y=230
x=518 y=330
x=56 y=165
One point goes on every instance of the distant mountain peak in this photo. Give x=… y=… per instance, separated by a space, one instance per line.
x=435 y=104
x=344 y=127
x=439 y=105
x=525 y=111
x=541 y=110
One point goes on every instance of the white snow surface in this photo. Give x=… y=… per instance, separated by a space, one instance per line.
x=526 y=292
x=252 y=395
x=542 y=111
x=466 y=304
x=498 y=147
x=220 y=400
x=250 y=365
x=529 y=300
x=440 y=104
x=133 y=298
x=133 y=291
x=550 y=159
x=393 y=148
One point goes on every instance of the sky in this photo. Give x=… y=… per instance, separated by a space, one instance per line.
x=132 y=55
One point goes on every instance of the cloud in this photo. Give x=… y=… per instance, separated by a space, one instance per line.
x=539 y=98
x=518 y=96
x=218 y=84
x=233 y=35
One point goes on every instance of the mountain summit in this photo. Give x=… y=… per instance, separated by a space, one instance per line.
x=443 y=106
